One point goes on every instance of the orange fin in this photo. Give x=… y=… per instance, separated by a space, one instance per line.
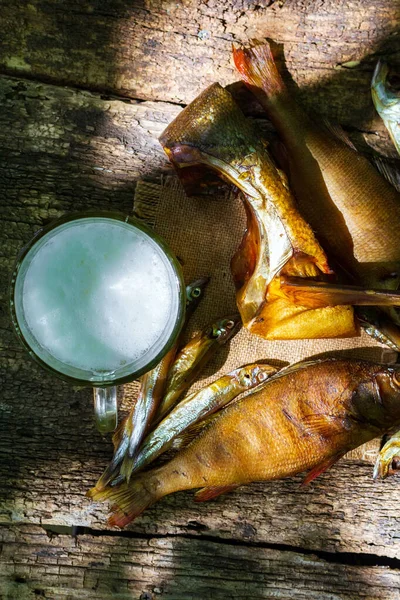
x=318 y=294
x=257 y=68
x=325 y=425
x=128 y=501
x=209 y=493
x=321 y=468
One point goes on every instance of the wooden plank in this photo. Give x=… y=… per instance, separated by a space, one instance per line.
x=98 y=568
x=170 y=51
x=71 y=150
x=52 y=454
x=64 y=151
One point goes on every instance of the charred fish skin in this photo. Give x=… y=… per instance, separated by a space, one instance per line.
x=302 y=419
x=199 y=405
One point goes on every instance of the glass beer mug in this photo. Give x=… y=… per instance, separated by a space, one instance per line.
x=98 y=299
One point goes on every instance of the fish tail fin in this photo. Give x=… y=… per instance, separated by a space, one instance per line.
x=257 y=68
x=109 y=473
x=121 y=443
x=128 y=501
x=127 y=467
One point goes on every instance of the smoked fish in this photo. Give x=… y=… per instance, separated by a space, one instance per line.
x=133 y=428
x=353 y=210
x=199 y=405
x=192 y=358
x=304 y=418
x=188 y=363
x=212 y=132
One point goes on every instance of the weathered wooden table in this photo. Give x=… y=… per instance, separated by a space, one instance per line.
x=86 y=87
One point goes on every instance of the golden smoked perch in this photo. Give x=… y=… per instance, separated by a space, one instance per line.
x=212 y=132
x=303 y=419
x=353 y=210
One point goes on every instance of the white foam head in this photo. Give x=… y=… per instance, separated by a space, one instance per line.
x=97 y=295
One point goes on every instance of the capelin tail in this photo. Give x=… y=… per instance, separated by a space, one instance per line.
x=127 y=501
x=257 y=68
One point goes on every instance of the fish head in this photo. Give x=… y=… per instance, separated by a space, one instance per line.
x=195 y=289
x=212 y=132
x=388 y=384
x=195 y=292
x=224 y=329
x=255 y=374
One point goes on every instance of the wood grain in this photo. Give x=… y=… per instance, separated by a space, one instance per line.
x=36 y=565
x=129 y=66
x=170 y=51
x=71 y=150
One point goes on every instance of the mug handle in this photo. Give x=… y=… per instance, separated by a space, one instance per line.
x=105 y=408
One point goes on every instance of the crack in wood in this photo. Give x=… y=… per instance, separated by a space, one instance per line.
x=343 y=558
x=103 y=93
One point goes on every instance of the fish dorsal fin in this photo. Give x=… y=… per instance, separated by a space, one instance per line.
x=389 y=171
x=209 y=493
x=304 y=364
x=321 y=468
x=339 y=133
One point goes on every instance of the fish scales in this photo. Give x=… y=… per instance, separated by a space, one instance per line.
x=304 y=418
x=369 y=204
x=212 y=131
x=354 y=211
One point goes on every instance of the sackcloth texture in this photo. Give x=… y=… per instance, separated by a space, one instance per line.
x=204 y=233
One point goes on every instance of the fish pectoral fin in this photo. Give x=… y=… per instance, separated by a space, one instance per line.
x=339 y=133
x=385 y=457
x=324 y=425
x=389 y=171
x=321 y=468
x=319 y=294
x=209 y=493
x=187 y=436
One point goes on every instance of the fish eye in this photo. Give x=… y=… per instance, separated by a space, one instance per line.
x=230 y=324
x=196 y=292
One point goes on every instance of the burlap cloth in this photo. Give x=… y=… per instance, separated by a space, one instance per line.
x=204 y=233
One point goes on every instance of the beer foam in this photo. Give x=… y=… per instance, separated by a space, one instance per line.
x=99 y=294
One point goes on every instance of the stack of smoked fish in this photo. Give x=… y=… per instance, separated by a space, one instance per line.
x=320 y=258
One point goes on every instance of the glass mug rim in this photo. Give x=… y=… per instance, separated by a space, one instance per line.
x=136 y=223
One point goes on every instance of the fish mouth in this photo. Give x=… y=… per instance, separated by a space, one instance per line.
x=227 y=328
